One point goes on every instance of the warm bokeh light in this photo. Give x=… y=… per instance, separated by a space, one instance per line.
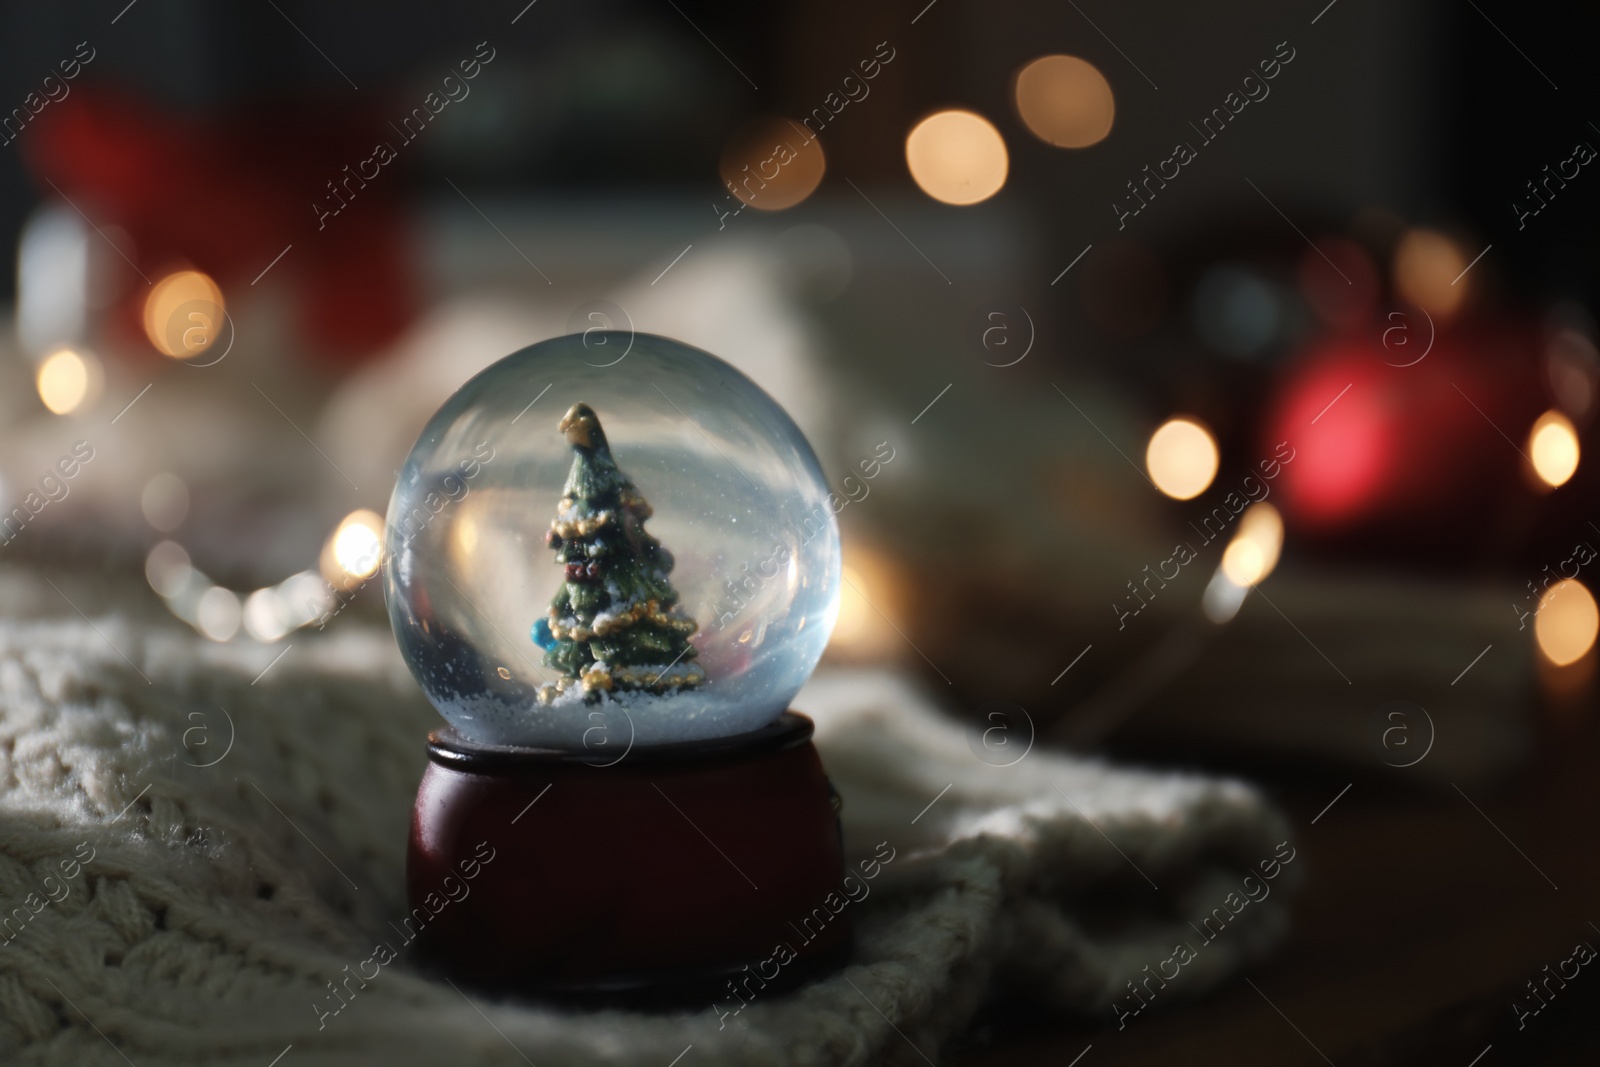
x=305 y=597
x=1253 y=552
x=957 y=157
x=772 y=164
x=1181 y=458
x=1065 y=101
x=869 y=598
x=266 y=615
x=1567 y=622
x=183 y=314
x=1553 y=448
x=1243 y=562
x=217 y=614
x=1427 y=265
x=63 y=380
x=855 y=614
x=358 y=544
x=168 y=569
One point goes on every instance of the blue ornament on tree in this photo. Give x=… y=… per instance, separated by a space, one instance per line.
x=542 y=635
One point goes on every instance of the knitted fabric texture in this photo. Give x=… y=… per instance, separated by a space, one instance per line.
x=194 y=844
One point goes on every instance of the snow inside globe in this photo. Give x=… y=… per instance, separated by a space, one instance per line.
x=586 y=552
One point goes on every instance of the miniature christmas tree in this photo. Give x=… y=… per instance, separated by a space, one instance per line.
x=615 y=625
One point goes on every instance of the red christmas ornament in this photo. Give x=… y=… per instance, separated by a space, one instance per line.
x=1404 y=439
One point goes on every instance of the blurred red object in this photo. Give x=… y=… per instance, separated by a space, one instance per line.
x=1406 y=451
x=227 y=194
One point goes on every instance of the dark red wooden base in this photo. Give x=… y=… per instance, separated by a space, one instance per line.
x=673 y=868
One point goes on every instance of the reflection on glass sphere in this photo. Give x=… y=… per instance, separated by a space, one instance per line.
x=585 y=551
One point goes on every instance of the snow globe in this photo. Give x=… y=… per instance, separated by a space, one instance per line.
x=611 y=560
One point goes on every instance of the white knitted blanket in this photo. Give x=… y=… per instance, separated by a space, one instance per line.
x=191 y=850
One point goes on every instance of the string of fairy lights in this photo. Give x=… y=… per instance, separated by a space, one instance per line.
x=314 y=596
x=182 y=318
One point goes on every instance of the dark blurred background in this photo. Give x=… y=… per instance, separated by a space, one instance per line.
x=1362 y=306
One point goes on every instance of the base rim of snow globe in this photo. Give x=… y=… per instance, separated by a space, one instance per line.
x=449 y=747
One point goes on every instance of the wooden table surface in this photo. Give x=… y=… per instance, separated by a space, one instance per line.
x=1418 y=925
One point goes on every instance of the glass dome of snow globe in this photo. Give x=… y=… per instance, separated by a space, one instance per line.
x=593 y=552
